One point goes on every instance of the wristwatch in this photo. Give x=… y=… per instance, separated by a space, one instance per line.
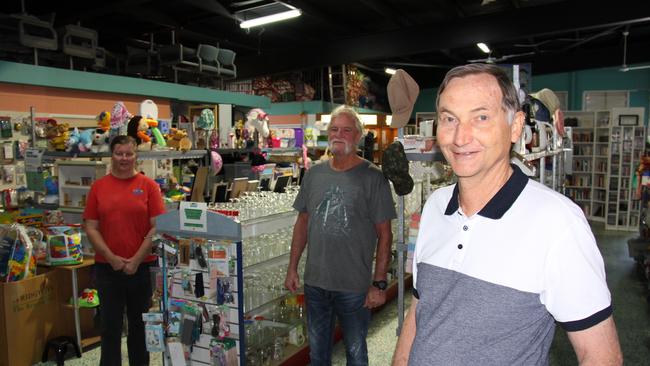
x=382 y=285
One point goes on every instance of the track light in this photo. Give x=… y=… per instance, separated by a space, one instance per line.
x=483 y=47
x=390 y=71
x=270 y=18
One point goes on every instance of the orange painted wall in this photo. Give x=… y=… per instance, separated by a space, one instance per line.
x=289 y=119
x=15 y=97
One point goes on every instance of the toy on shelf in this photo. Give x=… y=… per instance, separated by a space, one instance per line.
x=89 y=298
x=204 y=124
x=104 y=121
x=57 y=134
x=100 y=141
x=179 y=140
x=258 y=121
x=119 y=119
x=80 y=141
x=63 y=245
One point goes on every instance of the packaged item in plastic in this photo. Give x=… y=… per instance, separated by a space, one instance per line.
x=63 y=245
x=17 y=261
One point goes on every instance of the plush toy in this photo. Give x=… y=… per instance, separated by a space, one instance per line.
x=257 y=119
x=119 y=116
x=178 y=140
x=100 y=141
x=73 y=141
x=153 y=125
x=86 y=139
x=104 y=121
x=136 y=129
x=80 y=141
x=57 y=134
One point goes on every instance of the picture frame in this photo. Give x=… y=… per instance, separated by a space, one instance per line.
x=628 y=120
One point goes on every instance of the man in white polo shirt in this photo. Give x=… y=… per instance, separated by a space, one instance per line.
x=500 y=258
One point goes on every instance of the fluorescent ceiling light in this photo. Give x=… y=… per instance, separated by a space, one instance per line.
x=483 y=47
x=270 y=18
x=390 y=71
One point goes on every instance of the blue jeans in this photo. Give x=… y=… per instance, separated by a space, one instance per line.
x=323 y=307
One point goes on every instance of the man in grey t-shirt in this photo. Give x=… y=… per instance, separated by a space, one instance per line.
x=345 y=207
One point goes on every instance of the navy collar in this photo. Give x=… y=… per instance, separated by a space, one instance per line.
x=501 y=202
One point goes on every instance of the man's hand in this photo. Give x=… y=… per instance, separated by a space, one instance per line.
x=292 y=281
x=375 y=298
x=117 y=262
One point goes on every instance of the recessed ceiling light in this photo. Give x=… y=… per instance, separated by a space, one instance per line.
x=390 y=71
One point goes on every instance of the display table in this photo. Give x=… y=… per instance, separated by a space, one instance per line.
x=80 y=276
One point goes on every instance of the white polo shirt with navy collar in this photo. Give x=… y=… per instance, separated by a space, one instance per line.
x=492 y=286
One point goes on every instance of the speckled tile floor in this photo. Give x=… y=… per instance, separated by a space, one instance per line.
x=631 y=313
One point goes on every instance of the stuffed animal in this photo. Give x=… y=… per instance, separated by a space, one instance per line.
x=80 y=141
x=86 y=139
x=258 y=120
x=58 y=135
x=100 y=141
x=136 y=129
x=157 y=134
x=104 y=121
x=73 y=141
x=178 y=140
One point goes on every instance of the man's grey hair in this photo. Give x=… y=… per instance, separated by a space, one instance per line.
x=510 y=100
x=350 y=112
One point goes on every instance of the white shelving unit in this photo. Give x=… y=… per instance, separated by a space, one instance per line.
x=626 y=145
x=75 y=179
x=587 y=185
x=607 y=148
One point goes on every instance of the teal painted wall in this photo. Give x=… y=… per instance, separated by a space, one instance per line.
x=637 y=82
x=17 y=73
x=310 y=107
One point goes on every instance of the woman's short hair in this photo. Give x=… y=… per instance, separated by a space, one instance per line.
x=122 y=140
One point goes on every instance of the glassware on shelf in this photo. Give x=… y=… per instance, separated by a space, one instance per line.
x=253 y=205
x=263 y=247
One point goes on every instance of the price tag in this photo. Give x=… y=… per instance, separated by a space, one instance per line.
x=193 y=216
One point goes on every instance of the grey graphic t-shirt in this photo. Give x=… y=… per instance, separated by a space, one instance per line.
x=343 y=209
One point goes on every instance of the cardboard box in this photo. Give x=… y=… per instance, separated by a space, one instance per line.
x=28 y=318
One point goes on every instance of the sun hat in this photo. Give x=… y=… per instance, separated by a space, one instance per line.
x=402 y=92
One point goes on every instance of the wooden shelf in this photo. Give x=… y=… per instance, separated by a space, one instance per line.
x=85 y=342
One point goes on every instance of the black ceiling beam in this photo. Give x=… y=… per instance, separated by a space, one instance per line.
x=391 y=15
x=500 y=27
x=71 y=16
x=212 y=7
x=322 y=15
x=153 y=16
x=452 y=7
